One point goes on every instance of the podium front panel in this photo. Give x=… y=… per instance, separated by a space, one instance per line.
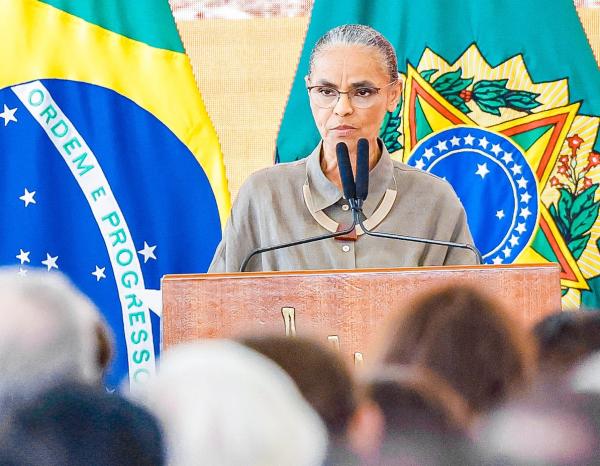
x=347 y=308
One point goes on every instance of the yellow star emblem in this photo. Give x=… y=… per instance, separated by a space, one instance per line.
x=541 y=135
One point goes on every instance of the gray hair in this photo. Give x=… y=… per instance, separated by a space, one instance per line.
x=358 y=34
x=222 y=403
x=49 y=333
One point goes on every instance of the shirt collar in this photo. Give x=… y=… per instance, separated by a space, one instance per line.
x=324 y=193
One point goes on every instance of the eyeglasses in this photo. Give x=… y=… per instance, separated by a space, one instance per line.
x=361 y=97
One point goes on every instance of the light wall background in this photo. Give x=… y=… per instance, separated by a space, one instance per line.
x=245 y=67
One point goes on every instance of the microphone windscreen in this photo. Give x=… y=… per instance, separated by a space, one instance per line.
x=345 y=169
x=362 y=169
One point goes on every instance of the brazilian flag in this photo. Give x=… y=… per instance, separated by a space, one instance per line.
x=501 y=99
x=111 y=171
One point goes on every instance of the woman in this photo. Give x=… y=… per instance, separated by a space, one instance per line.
x=352 y=82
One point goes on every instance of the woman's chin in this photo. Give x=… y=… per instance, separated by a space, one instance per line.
x=349 y=137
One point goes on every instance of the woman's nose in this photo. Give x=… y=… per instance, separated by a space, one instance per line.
x=344 y=105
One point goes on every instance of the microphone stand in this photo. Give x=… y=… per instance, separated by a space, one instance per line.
x=296 y=243
x=357 y=214
x=349 y=188
x=355 y=200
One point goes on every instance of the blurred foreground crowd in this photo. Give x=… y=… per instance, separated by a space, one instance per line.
x=454 y=381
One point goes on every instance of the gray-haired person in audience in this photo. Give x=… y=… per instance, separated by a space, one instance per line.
x=221 y=403
x=50 y=333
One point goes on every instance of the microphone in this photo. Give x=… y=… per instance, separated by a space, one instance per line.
x=362 y=171
x=345 y=169
x=349 y=189
x=362 y=190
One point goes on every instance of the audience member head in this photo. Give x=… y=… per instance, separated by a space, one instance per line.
x=468 y=339
x=566 y=339
x=50 y=333
x=555 y=426
x=79 y=424
x=414 y=399
x=585 y=377
x=422 y=420
x=319 y=373
x=223 y=403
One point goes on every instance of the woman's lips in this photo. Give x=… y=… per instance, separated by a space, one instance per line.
x=344 y=130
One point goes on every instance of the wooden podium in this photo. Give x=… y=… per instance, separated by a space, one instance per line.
x=348 y=308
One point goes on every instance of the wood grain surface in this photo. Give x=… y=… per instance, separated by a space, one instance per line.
x=352 y=305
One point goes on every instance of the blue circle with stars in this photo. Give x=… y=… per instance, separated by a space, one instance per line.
x=494 y=182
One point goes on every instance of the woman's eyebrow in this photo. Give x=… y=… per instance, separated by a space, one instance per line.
x=366 y=83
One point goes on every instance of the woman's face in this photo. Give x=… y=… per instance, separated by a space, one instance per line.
x=346 y=68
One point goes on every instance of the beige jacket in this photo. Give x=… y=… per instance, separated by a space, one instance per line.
x=295 y=200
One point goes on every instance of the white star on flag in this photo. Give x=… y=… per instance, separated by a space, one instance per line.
x=525 y=197
x=521 y=228
x=147 y=252
x=500 y=214
x=455 y=141
x=428 y=153
x=525 y=213
x=23 y=256
x=482 y=170
x=507 y=157
x=496 y=149
x=506 y=251
x=420 y=164
x=441 y=145
x=27 y=197
x=483 y=142
x=522 y=182
x=497 y=260
x=8 y=114
x=22 y=272
x=469 y=140
x=99 y=273
x=513 y=241
x=50 y=262
x=516 y=169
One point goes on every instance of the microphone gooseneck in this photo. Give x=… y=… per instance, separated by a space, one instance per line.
x=295 y=243
x=355 y=193
x=359 y=221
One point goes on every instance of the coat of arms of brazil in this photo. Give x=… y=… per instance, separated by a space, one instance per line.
x=519 y=155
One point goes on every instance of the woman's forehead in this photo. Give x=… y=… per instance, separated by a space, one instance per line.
x=350 y=63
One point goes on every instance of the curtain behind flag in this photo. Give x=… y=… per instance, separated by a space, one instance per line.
x=500 y=98
x=111 y=170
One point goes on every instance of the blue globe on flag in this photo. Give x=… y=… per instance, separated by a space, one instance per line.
x=493 y=180
x=100 y=189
